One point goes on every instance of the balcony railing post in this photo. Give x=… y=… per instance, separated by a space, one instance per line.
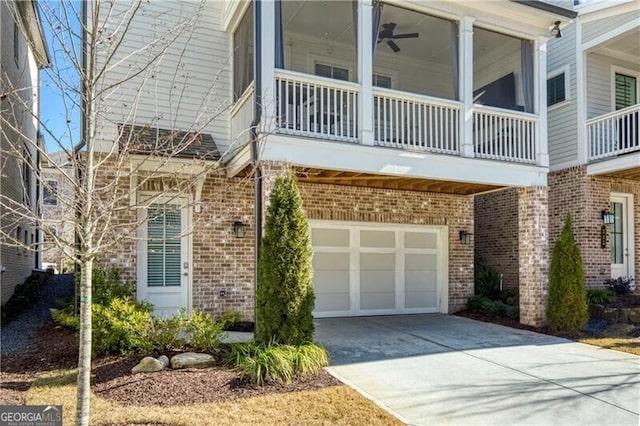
x=365 y=72
x=466 y=86
x=540 y=71
x=268 y=92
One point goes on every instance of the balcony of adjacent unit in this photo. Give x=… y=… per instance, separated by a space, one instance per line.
x=613 y=106
x=397 y=87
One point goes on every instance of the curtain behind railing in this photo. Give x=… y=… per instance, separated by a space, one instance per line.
x=455 y=60
x=279 y=36
x=526 y=53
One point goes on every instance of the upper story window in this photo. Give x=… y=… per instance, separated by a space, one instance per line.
x=556 y=90
x=331 y=71
x=243 y=54
x=626 y=90
x=50 y=193
x=382 y=81
x=26 y=175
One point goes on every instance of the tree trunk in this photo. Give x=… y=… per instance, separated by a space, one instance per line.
x=84 y=358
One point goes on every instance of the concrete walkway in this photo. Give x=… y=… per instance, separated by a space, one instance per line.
x=438 y=369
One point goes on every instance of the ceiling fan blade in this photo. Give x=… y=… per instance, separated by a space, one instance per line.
x=389 y=26
x=407 y=35
x=393 y=46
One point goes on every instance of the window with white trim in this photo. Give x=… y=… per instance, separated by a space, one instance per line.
x=332 y=71
x=16 y=43
x=382 y=81
x=556 y=89
x=626 y=90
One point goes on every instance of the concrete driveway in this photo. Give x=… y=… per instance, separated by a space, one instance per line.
x=438 y=369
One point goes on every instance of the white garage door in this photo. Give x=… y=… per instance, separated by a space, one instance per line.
x=366 y=269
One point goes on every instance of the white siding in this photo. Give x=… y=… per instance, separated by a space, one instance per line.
x=593 y=29
x=562 y=120
x=187 y=86
x=20 y=79
x=599 y=88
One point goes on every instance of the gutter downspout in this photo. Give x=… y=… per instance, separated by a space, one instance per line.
x=257 y=171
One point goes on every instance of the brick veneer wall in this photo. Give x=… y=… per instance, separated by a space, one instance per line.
x=344 y=203
x=496 y=233
x=533 y=239
x=572 y=190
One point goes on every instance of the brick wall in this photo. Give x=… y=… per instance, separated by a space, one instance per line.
x=571 y=190
x=533 y=240
x=344 y=203
x=496 y=233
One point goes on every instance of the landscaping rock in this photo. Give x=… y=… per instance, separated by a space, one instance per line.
x=192 y=360
x=164 y=360
x=618 y=330
x=148 y=365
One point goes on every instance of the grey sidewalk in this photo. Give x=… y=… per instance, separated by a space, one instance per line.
x=435 y=369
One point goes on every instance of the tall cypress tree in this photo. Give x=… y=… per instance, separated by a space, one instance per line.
x=567 y=305
x=285 y=298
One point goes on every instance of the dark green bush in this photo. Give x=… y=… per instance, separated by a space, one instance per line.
x=486 y=279
x=204 y=332
x=107 y=284
x=620 y=285
x=165 y=333
x=262 y=363
x=23 y=296
x=600 y=296
x=285 y=298
x=567 y=304
x=496 y=308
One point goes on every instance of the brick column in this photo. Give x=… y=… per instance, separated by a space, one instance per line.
x=533 y=254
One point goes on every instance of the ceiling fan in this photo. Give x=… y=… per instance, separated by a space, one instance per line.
x=386 y=34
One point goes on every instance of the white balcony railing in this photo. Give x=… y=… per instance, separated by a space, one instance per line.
x=504 y=135
x=241 y=117
x=614 y=133
x=410 y=121
x=318 y=107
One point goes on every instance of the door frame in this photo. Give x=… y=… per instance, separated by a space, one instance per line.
x=442 y=232
x=629 y=232
x=145 y=199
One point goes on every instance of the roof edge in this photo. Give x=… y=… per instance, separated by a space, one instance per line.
x=548 y=7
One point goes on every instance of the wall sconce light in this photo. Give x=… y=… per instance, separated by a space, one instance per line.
x=465 y=237
x=239 y=229
x=555 y=30
x=607 y=217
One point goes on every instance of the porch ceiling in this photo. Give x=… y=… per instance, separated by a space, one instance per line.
x=626 y=45
x=337 y=177
x=633 y=174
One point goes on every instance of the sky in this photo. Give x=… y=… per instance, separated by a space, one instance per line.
x=59 y=84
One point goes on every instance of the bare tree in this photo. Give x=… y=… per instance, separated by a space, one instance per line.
x=138 y=117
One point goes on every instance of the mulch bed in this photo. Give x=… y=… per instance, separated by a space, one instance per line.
x=55 y=348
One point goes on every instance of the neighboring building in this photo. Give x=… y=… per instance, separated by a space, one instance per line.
x=22 y=53
x=393 y=114
x=58 y=211
x=594 y=150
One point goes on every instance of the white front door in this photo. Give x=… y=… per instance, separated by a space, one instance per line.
x=621 y=236
x=163 y=257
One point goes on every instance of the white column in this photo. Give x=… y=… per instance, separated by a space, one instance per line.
x=268 y=50
x=580 y=95
x=540 y=101
x=365 y=72
x=466 y=85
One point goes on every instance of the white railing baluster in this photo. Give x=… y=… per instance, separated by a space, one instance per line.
x=614 y=133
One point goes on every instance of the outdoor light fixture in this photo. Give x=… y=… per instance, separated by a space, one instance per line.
x=555 y=30
x=465 y=237
x=607 y=217
x=239 y=229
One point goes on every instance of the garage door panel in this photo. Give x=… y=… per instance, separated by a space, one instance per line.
x=331 y=281
x=330 y=302
x=374 y=301
x=330 y=261
x=380 y=239
x=377 y=261
x=421 y=262
x=420 y=280
x=421 y=299
x=327 y=237
x=421 y=240
x=372 y=281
